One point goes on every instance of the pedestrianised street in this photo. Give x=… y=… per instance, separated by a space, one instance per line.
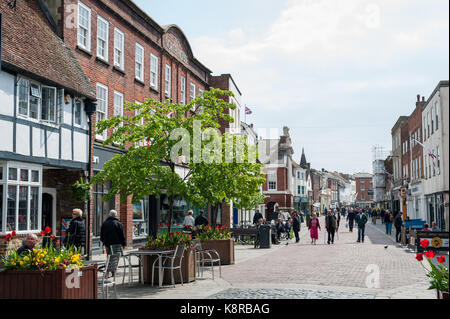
x=377 y=268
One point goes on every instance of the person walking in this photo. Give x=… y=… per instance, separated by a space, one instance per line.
x=331 y=226
x=76 y=234
x=111 y=232
x=351 y=219
x=361 y=220
x=257 y=217
x=189 y=221
x=201 y=220
x=296 y=226
x=314 y=227
x=388 y=222
x=279 y=228
x=382 y=215
x=398 y=227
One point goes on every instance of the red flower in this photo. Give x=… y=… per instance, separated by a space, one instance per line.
x=48 y=230
x=419 y=257
x=217 y=227
x=161 y=226
x=52 y=236
x=207 y=227
x=171 y=234
x=8 y=237
x=425 y=243
x=178 y=232
x=42 y=233
x=441 y=259
x=167 y=224
x=430 y=254
x=13 y=234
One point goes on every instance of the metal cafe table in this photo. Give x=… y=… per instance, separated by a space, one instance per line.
x=142 y=253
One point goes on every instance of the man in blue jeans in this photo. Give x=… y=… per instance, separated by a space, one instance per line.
x=361 y=220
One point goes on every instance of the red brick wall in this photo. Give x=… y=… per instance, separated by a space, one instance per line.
x=415 y=124
x=136 y=30
x=367 y=182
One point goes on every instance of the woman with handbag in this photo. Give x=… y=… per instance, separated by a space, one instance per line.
x=76 y=234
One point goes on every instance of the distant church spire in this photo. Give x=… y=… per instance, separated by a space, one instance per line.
x=303 y=163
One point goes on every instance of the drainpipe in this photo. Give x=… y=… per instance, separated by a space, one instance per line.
x=90 y=108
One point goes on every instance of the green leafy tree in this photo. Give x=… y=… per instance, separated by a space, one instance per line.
x=171 y=130
x=237 y=177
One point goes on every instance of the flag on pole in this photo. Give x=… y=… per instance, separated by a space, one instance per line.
x=387 y=173
x=248 y=111
x=434 y=158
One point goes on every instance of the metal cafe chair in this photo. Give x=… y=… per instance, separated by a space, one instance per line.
x=117 y=249
x=168 y=262
x=112 y=263
x=213 y=255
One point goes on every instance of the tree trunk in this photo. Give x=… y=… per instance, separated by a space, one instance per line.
x=171 y=200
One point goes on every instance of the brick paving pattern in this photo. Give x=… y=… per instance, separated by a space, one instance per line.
x=341 y=264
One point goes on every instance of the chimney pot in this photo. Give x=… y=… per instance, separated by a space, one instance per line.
x=423 y=98
x=418 y=97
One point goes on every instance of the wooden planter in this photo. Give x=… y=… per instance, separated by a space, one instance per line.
x=224 y=247
x=442 y=294
x=27 y=284
x=187 y=270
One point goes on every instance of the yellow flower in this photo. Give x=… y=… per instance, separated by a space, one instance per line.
x=21 y=262
x=27 y=258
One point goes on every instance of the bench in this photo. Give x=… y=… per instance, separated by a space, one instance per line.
x=240 y=232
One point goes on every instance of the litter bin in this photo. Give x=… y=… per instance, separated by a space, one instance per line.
x=264 y=234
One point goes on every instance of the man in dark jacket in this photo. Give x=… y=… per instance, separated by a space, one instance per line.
x=361 y=220
x=351 y=219
x=29 y=244
x=296 y=224
x=331 y=226
x=76 y=234
x=111 y=232
x=201 y=220
x=398 y=222
x=257 y=217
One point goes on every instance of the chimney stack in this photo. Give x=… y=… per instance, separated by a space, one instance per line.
x=418 y=97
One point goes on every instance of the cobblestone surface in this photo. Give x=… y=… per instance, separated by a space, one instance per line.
x=304 y=271
x=346 y=263
x=287 y=294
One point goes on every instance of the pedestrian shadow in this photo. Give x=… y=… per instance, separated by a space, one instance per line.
x=377 y=237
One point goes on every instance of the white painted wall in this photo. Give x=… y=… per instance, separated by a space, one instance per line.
x=6 y=94
x=6 y=132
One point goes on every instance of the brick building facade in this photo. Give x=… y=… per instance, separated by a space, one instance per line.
x=363 y=187
x=126 y=57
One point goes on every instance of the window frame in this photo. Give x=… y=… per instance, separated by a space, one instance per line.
x=183 y=90
x=104 y=136
x=140 y=76
x=86 y=47
x=168 y=81
x=5 y=183
x=77 y=100
x=154 y=70
x=105 y=57
x=121 y=64
x=54 y=105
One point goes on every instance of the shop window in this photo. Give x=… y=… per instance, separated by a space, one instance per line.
x=101 y=208
x=141 y=219
x=22 y=200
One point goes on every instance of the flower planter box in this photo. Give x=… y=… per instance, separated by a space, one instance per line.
x=27 y=284
x=224 y=247
x=187 y=270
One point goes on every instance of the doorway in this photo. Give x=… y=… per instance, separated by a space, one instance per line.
x=49 y=209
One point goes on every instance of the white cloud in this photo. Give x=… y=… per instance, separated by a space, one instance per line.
x=322 y=62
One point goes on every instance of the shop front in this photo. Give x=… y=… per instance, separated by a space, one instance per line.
x=436 y=210
x=416 y=201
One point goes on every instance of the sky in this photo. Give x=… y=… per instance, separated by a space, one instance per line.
x=338 y=73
